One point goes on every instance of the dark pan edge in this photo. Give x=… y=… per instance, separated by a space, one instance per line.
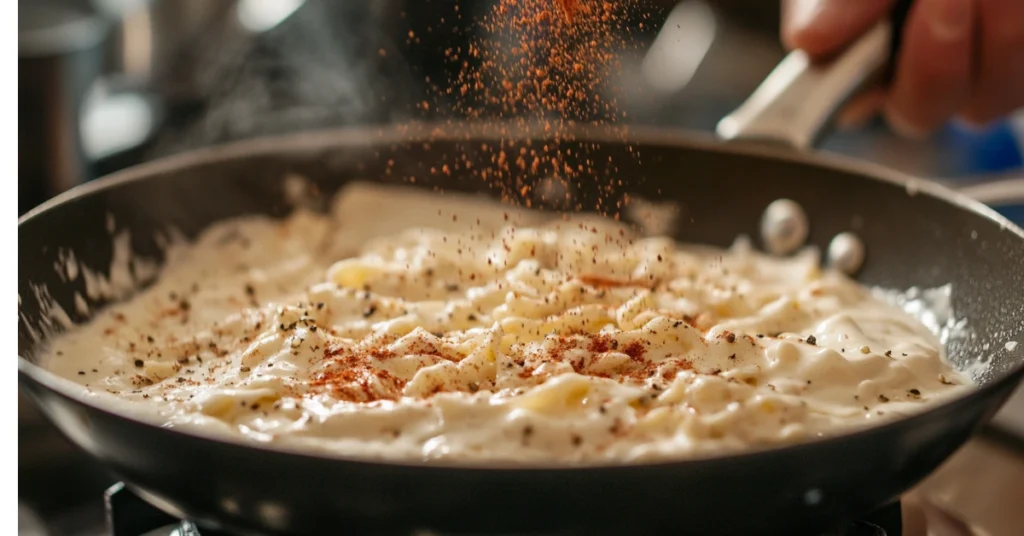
x=316 y=140
x=424 y=132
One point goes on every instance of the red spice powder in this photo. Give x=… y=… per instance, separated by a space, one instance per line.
x=569 y=7
x=350 y=377
x=602 y=343
x=635 y=350
x=551 y=64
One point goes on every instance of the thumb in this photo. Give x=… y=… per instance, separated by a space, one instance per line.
x=823 y=27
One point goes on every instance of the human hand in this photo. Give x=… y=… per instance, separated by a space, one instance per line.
x=959 y=58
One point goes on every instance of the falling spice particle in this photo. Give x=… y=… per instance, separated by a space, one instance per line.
x=549 y=63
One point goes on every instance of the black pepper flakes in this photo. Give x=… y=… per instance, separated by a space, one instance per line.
x=81 y=373
x=883 y=398
x=730 y=337
x=812 y=340
x=139 y=363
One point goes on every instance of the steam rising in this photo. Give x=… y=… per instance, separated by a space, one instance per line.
x=328 y=63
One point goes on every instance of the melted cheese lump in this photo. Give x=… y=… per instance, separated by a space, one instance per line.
x=567 y=341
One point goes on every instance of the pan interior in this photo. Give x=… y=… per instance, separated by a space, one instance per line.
x=914 y=239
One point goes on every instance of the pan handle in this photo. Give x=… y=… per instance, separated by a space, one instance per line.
x=796 y=103
x=999 y=192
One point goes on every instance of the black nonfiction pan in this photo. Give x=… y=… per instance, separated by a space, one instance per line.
x=916 y=235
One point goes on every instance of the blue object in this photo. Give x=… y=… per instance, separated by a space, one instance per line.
x=1014 y=213
x=994 y=150
x=997 y=148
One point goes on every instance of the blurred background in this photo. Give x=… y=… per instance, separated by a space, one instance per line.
x=105 y=84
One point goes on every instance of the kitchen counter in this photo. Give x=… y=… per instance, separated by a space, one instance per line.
x=982 y=484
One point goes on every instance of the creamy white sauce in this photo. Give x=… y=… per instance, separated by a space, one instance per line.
x=485 y=336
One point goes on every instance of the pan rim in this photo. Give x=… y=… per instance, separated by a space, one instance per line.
x=426 y=132
x=316 y=140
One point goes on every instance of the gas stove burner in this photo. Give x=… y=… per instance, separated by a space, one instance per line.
x=129 y=515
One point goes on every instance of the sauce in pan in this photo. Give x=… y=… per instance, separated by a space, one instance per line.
x=476 y=335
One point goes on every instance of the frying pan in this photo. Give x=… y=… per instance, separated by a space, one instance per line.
x=916 y=234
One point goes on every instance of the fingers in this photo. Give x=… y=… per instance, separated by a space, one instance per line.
x=959 y=57
x=861 y=109
x=823 y=27
x=933 y=71
x=999 y=76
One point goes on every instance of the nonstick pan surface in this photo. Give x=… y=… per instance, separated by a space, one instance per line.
x=916 y=235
